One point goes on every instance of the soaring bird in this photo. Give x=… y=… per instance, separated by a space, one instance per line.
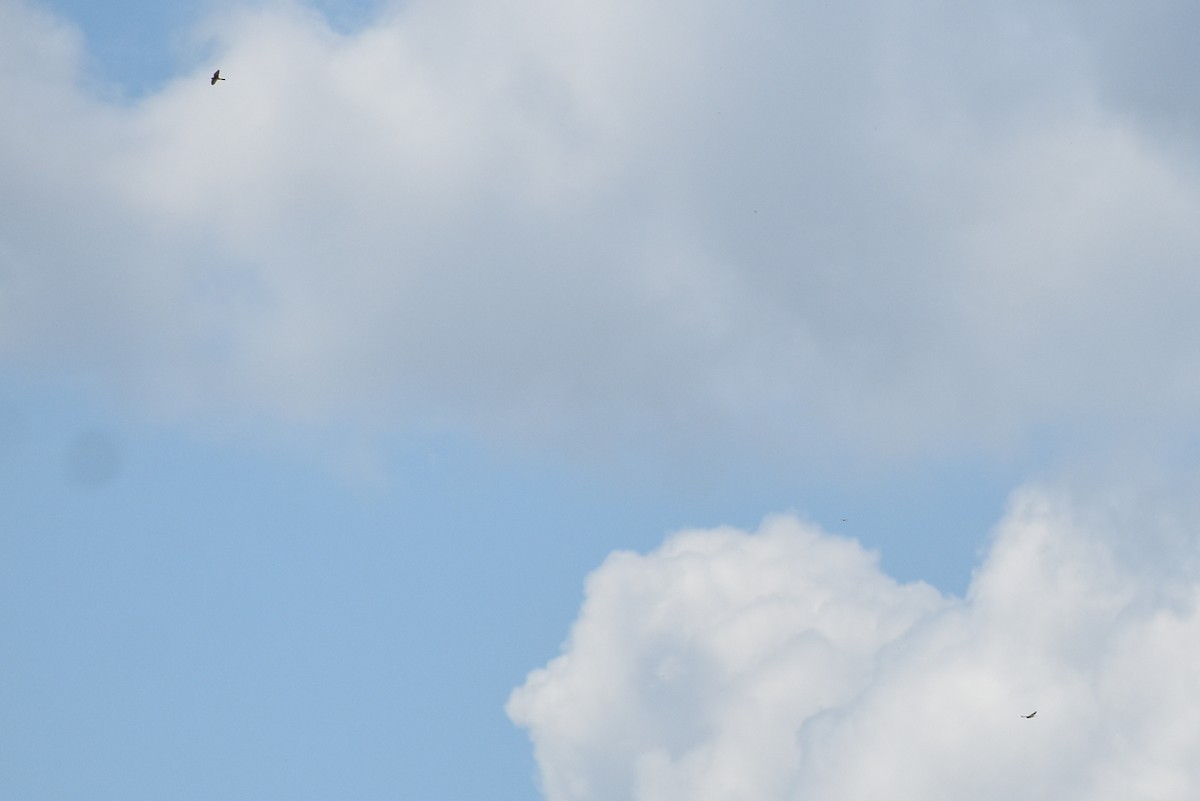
x=216 y=77
x=1030 y=715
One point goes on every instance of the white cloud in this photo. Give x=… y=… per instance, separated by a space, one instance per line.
x=782 y=664
x=901 y=228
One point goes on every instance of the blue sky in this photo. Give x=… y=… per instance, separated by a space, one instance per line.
x=224 y=619
x=324 y=390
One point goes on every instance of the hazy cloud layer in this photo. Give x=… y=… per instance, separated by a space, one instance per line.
x=782 y=664
x=893 y=226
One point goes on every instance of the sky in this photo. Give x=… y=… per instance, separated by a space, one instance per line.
x=600 y=400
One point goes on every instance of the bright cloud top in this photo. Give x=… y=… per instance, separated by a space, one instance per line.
x=895 y=226
x=784 y=665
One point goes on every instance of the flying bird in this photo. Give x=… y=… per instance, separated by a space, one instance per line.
x=1030 y=715
x=216 y=77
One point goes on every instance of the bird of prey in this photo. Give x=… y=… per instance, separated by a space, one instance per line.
x=1030 y=715
x=216 y=77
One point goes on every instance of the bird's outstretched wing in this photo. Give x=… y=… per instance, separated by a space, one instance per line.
x=216 y=77
x=1030 y=715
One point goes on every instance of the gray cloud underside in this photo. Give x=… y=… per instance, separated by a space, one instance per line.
x=890 y=226
x=784 y=665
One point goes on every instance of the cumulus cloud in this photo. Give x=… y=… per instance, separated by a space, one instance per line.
x=783 y=664
x=890 y=226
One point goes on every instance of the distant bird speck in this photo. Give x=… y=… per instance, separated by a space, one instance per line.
x=1030 y=715
x=216 y=77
